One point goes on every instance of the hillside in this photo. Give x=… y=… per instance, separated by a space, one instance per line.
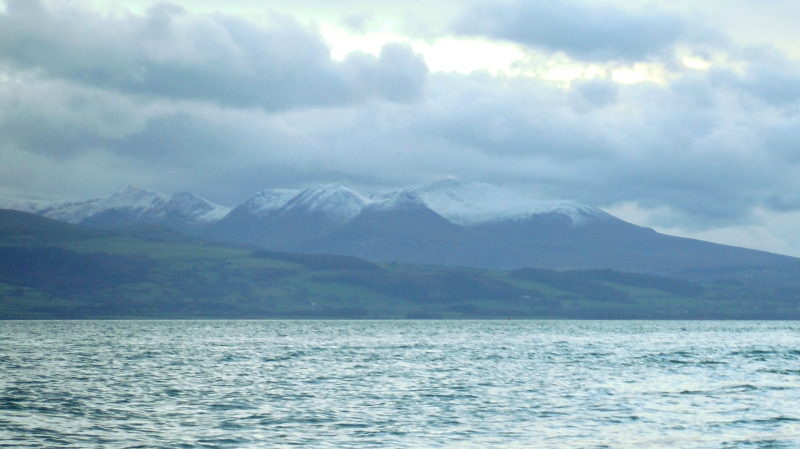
x=448 y=222
x=50 y=269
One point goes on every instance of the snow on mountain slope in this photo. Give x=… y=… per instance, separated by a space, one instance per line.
x=24 y=205
x=188 y=207
x=462 y=203
x=140 y=205
x=473 y=203
x=130 y=198
x=396 y=200
x=266 y=201
x=335 y=201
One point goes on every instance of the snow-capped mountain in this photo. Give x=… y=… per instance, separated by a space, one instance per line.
x=24 y=205
x=461 y=203
x=133 y=205
x=466 y=223
x=447 y=222
x=334 y=201
x=189 y=207
x=400 y=227
x=474 y=203
x=287 y=219
x=267 y=201
x=131 y=199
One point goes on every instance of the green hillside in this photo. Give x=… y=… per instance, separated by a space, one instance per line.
x=50 y=269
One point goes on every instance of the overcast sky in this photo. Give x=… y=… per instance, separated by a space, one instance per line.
x=676 y=115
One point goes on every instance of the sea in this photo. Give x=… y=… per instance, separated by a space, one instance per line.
x=400 y=384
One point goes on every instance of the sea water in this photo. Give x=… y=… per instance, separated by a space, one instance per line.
x=400 y=384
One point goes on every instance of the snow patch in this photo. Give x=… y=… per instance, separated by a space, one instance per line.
x=144 y=205
x=335 y=201
x=25 y=205
x=269 y=200
x=396 y=200
x=193 y=208
x=462 y=203
x=474 y=203
x=131 y=198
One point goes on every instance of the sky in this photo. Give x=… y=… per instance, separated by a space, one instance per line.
x=679 y=115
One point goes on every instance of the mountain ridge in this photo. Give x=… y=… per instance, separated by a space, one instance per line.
x=447 y=222
x=56 y=270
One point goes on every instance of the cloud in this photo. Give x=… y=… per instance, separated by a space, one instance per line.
x=584 y=31
x=707 y=146
x=216 y=105
x=767 y=230
x=357 y=23
x=771 y=77
x=588 y=95
x=169 y=52
x=397 y=74
x=58 y=119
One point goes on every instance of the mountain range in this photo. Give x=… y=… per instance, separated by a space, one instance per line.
x=448 y=222
x=56 y=270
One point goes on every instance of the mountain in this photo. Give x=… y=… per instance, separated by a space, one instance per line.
x=484 y=226
x=57 y=270
x=184 y=211
x=286 y=219
x=402 y=228
x=266 y=201
x=475 y=203
x=448 y=222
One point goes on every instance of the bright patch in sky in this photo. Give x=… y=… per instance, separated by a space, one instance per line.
x=342 y=42
x=462 y=55
x=465 y=55
x=445 y=54
x=695 y=63
x=643 y=72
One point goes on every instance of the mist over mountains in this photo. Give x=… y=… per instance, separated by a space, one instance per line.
x=448 y=222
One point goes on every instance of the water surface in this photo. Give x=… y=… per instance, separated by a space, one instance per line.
x=544 y=384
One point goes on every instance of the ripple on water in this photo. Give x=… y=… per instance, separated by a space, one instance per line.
x=544 y=384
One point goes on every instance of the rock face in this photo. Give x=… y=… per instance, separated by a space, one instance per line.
x=446 y=222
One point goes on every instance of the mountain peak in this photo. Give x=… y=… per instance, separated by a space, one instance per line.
x=192 y=207
x=133 y=204
x=134 y=197
x=130 y=198
x=473 y=203
x=333 y=200
x=269 y=200
x=401 y=200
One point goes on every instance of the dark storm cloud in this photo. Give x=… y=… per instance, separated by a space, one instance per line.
x=584 y=31
x=171 y=53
